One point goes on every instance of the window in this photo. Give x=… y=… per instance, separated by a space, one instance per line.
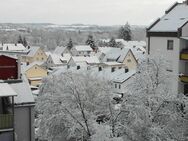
x=128 y=60
x=115 y=85
x=126 y=70
x=100 y=68
x=113 y=69
x=119 y=86
x=170 y=45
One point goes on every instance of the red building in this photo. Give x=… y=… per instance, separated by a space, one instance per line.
x=8 y=67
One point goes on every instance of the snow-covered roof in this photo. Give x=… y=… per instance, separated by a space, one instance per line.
x=12 y=47
x=32 y=51
x=59 y=50
x=136 y=43
x=89 y=60
x=113 y=54
x=6 y=90
x=112 y=63
x=24 y=94
x=25 y=68
x=35 y=78
x=173 y=20
x=123 y=54
x=124 y=76
x=48 y=53
x=56 y=58
x=10 y=56
x=83 y=48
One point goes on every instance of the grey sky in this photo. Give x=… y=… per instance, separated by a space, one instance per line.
x=102 y=12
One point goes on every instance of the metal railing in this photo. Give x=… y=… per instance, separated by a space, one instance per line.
x=184 y=54
x=6 y=121
x=184 y=78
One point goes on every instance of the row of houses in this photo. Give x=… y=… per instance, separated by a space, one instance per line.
x=22 y=70
x=37 y=64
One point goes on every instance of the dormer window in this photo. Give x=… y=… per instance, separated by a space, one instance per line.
x=182 y=18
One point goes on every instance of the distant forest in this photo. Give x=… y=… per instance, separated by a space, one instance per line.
x=48 y=36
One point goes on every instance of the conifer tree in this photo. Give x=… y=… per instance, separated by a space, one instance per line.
x=20 y=40
x=90 y=41
x=70 y=44
x=125 y=32
x=112 y=42
x=24 y=42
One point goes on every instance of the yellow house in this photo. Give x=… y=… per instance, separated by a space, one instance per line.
x=34 y=73
x=35 y=54
x=127 y=57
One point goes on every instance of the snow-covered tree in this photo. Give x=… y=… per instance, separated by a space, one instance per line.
x=90 y=41
x=25 y=42
x=70 y=44
x=78 y=106
x=153 y=112
x=112 y=42
x=20 y=40
x=69 y=105
x=125 y=32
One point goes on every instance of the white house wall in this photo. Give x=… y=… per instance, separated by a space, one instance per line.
x=158 y=46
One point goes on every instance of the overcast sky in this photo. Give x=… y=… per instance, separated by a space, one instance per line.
x=101 y=12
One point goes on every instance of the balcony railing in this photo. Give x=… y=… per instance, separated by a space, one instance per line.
x=6 y=121
x=184 y=54
x=184 y=78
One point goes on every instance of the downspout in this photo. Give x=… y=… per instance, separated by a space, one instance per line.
x=13 y=118
x=30 y=131
x=148 y=45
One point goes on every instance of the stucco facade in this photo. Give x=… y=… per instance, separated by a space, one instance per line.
x=130 y=61
x=35 y=74
x=39 y=55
